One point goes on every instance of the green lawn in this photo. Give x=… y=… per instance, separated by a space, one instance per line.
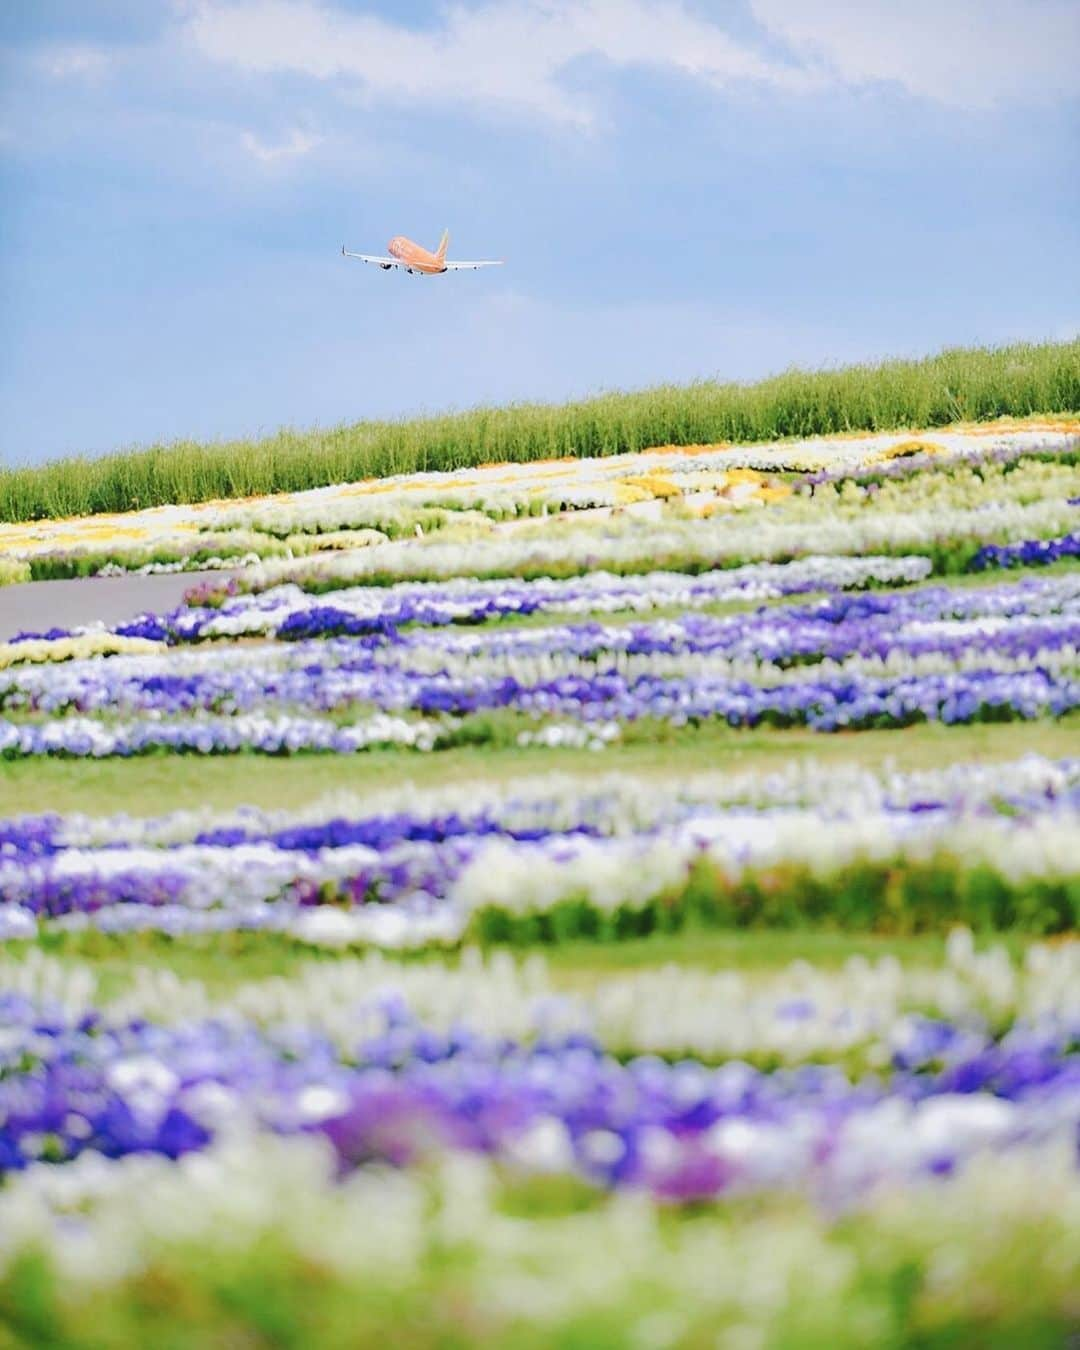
x=221 y=961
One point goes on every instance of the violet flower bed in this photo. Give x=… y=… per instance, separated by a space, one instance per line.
x=937 y=654
x=608 y=861
x=680 y=1131
x=292 y=614
x=1029 y=553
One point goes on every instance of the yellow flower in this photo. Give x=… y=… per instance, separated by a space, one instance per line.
x=904 y=448
x=774 y=492
x=39 y=650
x=626 y=493
x=654 y=484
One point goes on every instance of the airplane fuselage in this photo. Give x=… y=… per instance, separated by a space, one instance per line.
x=410 y=257
x=415 y=258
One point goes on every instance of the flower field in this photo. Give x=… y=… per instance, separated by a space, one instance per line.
x=491 y=503
x=615 y=901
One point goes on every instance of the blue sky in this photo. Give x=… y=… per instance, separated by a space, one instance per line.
x=680 y=189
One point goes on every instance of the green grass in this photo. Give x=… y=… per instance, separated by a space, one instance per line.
x=222 y=961
x=157 y=784
x=958 y=384
x=576 y=965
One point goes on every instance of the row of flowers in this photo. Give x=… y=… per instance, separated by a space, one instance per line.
x=870 y=1012
x=291 y=614
x=917 y=457
x=64 y=646
x=698 y=481
x=606 y=863
x=603 y=704
x=167 y=1118
x=886 y=661
x=950 y=536
x=1028 y=553
x=88 y=738
x=507 y=489
x=401 y=1090
x=600 y=804
x=99 y=1242
x=810 y=657
x=1025 y=621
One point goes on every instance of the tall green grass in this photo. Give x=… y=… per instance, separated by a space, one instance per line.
x=959 y=384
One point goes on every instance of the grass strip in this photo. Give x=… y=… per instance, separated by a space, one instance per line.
x=158 y=784
x=225 y=961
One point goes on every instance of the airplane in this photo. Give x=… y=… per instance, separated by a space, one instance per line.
x=404 y=253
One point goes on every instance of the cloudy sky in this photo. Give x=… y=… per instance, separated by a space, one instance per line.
x=680 y=188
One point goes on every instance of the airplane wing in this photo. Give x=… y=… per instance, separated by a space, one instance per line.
x=372 y=258
x=460 y=266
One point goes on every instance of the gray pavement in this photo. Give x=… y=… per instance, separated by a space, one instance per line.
x=35 y=606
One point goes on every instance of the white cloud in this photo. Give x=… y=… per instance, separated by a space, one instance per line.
x=75 y=62
x=968 y=53
x=296 y=144
x=513 y=53
x=519 y=54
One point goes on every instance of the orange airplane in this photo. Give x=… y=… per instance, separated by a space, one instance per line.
x=404 y=253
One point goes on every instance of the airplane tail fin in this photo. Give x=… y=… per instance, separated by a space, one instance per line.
x=440 y=252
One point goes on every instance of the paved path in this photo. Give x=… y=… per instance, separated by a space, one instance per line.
x=36 y=606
